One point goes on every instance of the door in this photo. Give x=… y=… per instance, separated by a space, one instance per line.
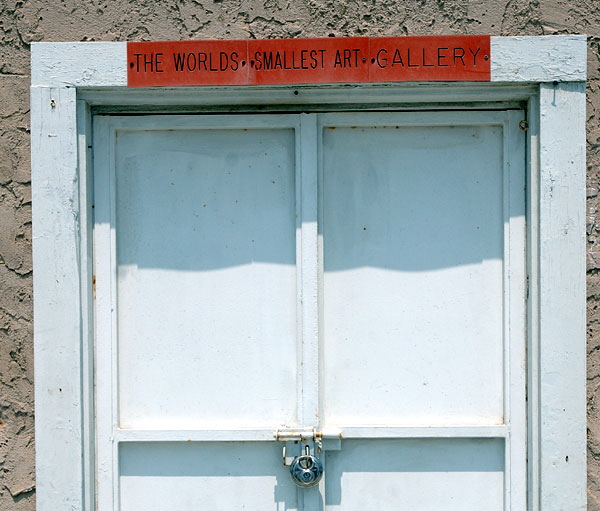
x=350 y=282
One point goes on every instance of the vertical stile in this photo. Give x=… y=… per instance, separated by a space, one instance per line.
x=533 y=326
x=506 y=285
x=114 y=343
x=514 y=307
x=309 y=290
x=299 y=275
x=103 y=260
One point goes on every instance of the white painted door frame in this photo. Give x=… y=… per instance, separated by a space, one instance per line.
x=70 y=80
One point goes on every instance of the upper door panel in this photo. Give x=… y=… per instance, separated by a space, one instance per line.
x=414 y=229
x=206 y=277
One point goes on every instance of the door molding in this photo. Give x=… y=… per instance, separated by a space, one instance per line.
x=71 y=80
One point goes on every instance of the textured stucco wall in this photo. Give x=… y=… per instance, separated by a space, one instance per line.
x=24 y=21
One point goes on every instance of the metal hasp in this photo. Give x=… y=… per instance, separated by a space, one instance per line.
x=306 y=470
x=298 y=434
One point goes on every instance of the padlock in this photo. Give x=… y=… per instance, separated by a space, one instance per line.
x=306 y=470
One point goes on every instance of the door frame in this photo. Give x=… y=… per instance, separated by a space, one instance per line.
x=72 y=81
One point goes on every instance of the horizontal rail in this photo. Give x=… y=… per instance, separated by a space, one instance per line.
x=196 y=435
x=342 y=432
x=496 y=431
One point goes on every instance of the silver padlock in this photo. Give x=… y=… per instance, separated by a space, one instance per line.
x=306 y=470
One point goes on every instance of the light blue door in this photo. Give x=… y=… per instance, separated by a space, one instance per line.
x=352 y=281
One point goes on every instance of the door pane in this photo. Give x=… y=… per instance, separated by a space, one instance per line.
x=417 y=475
x=216 y=476
x=413 y=229
x=206 y=278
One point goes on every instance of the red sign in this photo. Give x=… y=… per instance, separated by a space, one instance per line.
x=297 y=61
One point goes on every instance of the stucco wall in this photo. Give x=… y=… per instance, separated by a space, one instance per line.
x=24 y=21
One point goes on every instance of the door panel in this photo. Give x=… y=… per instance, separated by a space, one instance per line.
x=413 y=277
x=423 y=474
x=205 y=223
x=219 y=476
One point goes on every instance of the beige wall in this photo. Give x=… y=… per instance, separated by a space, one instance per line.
x=24 y=21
